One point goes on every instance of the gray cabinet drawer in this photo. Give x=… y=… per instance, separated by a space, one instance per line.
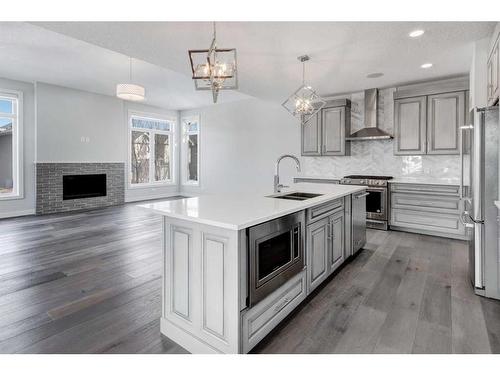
x=452 y=190
x=262 y=318
x=421 y=220
x=324 y=210
x=426 y=202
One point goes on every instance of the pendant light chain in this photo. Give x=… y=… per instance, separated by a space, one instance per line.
x=303 y=73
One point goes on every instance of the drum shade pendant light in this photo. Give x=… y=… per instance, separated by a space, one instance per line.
x=304 y=103
x=214 y=68
x=130 y=91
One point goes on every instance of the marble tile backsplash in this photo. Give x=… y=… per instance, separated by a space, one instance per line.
x=377 y=157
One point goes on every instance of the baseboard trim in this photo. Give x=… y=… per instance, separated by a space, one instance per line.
x=5 y=215
x=428 y=232
x=185 y=339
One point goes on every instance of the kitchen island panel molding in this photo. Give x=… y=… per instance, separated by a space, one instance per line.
x=211 y=290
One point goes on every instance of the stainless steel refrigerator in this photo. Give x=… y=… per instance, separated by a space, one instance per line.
x=479 y=191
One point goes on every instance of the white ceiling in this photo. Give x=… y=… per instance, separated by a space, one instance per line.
x=31 y=53
x=342 y=53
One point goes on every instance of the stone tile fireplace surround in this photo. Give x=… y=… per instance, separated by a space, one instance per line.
x=49 y=186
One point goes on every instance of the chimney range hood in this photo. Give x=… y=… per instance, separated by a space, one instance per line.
x=370 y=130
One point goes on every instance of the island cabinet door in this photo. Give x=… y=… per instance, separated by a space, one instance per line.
x=179 y=280
x=336 y=253
x=317 y=252
x=445 y=115
x=410 y=126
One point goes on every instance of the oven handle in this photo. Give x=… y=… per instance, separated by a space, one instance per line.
x=361 y=195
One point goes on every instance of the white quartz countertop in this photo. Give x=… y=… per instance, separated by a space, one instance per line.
x=239 y=211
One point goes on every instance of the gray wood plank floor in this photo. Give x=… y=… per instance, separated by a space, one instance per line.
x=89 y=282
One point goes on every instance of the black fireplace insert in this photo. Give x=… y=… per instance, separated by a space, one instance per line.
x=84 y=186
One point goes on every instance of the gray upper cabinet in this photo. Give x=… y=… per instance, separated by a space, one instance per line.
x=325 y=134
x=428 y=117
x=493 y=79
x=410 y=126
x=445 y=115
x=311 y=137
x=333 y=130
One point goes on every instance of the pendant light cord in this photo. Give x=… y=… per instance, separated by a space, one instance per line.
x=303 y=73
x=130 y=69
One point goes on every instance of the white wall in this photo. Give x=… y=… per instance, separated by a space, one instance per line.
x=240 y=143
x=79 y=126
x=65 y=116
x=26 y=205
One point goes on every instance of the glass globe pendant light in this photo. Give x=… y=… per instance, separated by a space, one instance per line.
x=304 y=103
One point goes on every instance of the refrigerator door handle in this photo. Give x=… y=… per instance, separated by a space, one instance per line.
x=461 y=136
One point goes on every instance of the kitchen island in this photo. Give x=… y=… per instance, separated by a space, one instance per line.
x=235 y=265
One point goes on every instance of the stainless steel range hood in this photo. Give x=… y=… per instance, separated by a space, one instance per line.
x=370 y=131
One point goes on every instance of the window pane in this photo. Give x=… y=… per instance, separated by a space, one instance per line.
x=162 y=157
x=191 y=126
x=6 y=105
x=192 y=157
x=6 y=161
x=140 y=157
x=153 y=124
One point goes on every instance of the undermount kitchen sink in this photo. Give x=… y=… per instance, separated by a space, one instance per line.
x=297 y=196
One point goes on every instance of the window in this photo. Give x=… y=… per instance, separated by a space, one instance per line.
x=151 y=149
x=191 y=145
x=10 y=145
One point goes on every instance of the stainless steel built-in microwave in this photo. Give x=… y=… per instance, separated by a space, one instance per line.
x=276 y=254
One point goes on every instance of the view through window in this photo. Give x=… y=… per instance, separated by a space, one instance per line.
x=191 y=135
x=151 y=153
x=9 y=110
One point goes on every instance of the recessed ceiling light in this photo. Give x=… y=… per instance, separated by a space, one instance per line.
x=426 y=66
x=416 y=33
x=374 y=75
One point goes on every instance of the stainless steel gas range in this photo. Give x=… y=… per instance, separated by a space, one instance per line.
x=377 y=201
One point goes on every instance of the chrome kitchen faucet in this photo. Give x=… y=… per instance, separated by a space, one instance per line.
x=277 y=185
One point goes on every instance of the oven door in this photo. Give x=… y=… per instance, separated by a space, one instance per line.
x=276 y=254
x=376 y=203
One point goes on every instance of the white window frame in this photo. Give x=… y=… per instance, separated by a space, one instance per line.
x=152 y=132
x=17 y=144
x=184 y=164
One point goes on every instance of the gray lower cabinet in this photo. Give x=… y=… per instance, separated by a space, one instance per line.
x=317 y=241
x=445 y=115
x=325 y=133
x=410 y=123
x=260 y=320
x=325 y=242
x=426 y=209
x=336 y=256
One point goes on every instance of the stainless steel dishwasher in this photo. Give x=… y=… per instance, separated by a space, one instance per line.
x=358 y=208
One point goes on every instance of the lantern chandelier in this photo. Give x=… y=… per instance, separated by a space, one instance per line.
x=214 y=68
x=130 y=91
x=304 y=103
